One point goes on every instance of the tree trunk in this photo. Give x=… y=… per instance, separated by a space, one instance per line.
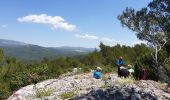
x=157 y=65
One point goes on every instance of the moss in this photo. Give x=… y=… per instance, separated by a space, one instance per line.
x=67 y=95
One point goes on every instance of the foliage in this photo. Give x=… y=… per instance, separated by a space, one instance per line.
x=1 y=55
x=166 y=71
x=145 y=61
x=108 y=68
x=125 y=81
x=4 y=90
x=43 y=92
x=17 y=80
x=161 y=11
x=151 y=24
x=67 y=95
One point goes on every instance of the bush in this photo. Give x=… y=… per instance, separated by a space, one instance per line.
x=18 y=80
x=108 y=69
x=4 y=91
x=146 y=61
x=43 y=92
x=67 y=95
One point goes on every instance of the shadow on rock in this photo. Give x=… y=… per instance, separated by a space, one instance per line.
x=115 y=93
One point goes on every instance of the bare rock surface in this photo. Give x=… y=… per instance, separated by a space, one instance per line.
x=85 y=87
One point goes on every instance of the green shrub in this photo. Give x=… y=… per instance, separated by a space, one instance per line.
x=43 y=92
x=108 y=69
x=67 y=95
x=146 y=61
x=4 y=91
x=85 y=69
x=18 y=80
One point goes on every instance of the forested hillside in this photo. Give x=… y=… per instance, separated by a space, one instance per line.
x=29 y=52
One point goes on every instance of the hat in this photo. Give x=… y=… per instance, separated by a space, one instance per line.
x=98 y=68
x=129 y=65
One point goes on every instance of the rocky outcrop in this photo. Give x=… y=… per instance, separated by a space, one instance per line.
x=84 y=87
x=143 y=90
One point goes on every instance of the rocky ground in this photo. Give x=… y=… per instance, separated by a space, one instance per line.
x=84 y=87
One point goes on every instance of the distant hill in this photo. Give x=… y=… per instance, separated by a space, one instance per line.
x=24 y=51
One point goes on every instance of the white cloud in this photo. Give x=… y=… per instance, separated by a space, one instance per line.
x=86 y=36
x=56 y=22
x=105 y=39
x=139 y=42
x=4 y=26
x=109 y=41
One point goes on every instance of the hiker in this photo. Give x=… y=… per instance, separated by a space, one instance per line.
x=142 y=74
x=119 y=64
x=131 y=70
x=124 y=72
x=97 y=73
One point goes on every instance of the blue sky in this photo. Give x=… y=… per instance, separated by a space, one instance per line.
x=78 y=23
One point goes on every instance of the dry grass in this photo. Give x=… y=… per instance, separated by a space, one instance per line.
x=125 y=81
x=43 y=92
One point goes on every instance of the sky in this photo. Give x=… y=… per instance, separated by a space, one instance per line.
x=76 y=23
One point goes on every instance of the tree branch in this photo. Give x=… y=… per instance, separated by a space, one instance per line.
x=166 y=60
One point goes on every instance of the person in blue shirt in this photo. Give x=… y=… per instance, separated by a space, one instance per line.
x=119 y=64
x=97 y=73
